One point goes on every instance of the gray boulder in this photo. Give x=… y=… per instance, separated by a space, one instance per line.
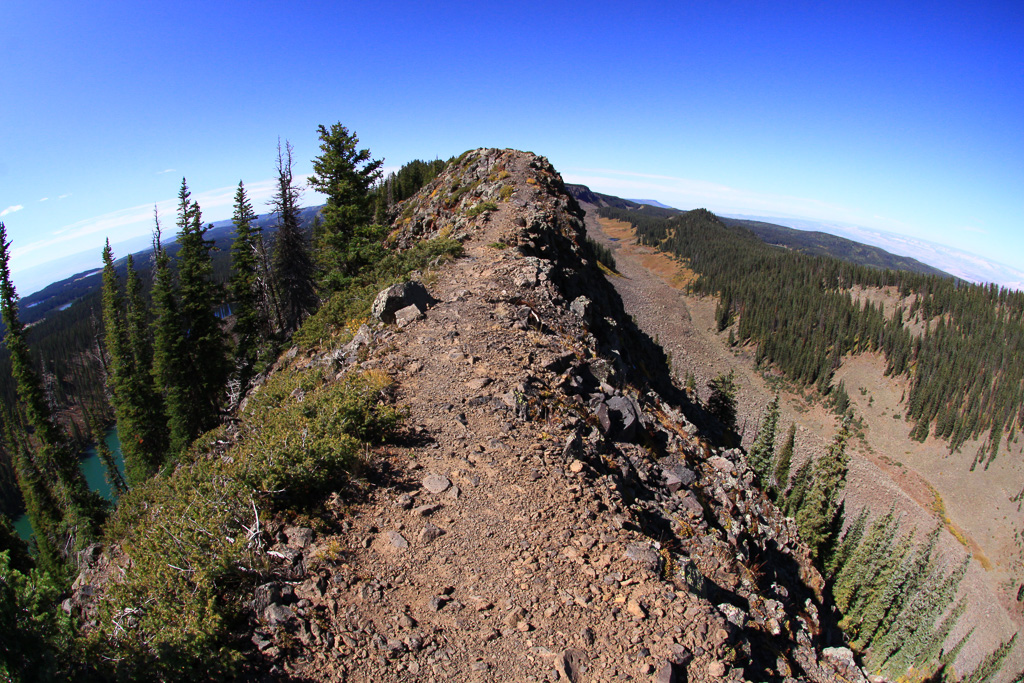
x=397 y=297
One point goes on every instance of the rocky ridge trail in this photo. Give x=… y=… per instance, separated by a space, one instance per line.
x=550 y=517
x=554 y=509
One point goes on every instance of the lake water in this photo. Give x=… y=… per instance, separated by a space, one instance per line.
x=92 y=468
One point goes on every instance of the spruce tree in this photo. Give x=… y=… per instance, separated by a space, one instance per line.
x=124 y=377
x=783 y=462
x=149 y=434
x=722 y=401
x=250 y=316
x=990 y=666
x=81 y=510
x=293 y=266
x=844 y=551
x=818 y=508
x=762 y=452
x=345 y=175
x=205 y=342
x=169 y=367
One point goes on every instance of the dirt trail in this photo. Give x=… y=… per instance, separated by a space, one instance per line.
x=650 y=285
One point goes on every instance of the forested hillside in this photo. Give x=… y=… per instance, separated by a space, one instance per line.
x=800 y=312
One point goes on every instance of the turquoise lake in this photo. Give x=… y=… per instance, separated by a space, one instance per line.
x=92 y=468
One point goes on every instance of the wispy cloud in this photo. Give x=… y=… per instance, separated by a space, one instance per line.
x=11 y=209
x=45 y=199
x=687 y=193
x=138 y=220
x=166 y=170
x=971 y=228
x=64 y=196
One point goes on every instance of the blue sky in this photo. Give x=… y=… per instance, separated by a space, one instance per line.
x=904 y=117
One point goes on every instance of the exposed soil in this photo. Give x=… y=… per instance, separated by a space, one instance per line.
x=886 y=466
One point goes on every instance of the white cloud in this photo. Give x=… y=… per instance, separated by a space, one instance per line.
x=11 y=209
x=63 y=196
x=166 y=170
x=687 y=193
x=45 y=199
x=136 y=221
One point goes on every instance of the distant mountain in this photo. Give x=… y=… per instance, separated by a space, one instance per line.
x=961 y=264
x=823 y=244
x=64 y=293
x=812 y=243
x=651 y=202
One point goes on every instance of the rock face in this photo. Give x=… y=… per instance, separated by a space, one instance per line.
x=554 y=510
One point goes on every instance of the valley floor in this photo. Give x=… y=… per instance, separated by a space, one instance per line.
x=886 y=466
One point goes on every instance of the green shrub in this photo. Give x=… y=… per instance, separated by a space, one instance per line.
x=482 y=207
x=192 y=536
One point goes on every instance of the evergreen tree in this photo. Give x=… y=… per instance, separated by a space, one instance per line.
x=783 y=462
x=110 y=472
x=250 y=316
x=819 y=507
x=762 y=452
x=345 y=175
x=293 y=267
x=80 y=509
x=991 y=665
x=851 y=539
x=169 y=368
x=16 y=549
x=148 y=423
x=722 y=402
x=798 y=492
x=126 y=380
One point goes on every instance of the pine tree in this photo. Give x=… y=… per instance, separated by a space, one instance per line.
x=148 y=424
x=844 y=551
x=722 y=401
x=81 y=510
x=250 y=316
x=124 y=376
x=818 y=508
x=110 y=471
x=168 y=347
x=762 y=452
x=205 y=353
x=992 y=663
x=783 y=462
x=345 y=175
x=293 y=267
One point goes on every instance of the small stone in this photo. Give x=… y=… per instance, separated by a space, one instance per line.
x=426 y=510
x=569 y=664
x=479 y=666
x=666 y=674
x=436 y=603
x=478 y=383
x=398 y=540
x=278 y=614
x=436 y=483
x=524 y=626
x=405 y=621
x=430 y=533
x=721 y=464
x=453 y=493
x=636 y=609
x=404 y=501
x=408 y=314
x=298 y=536
x=716 y=669
x=576 y=466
